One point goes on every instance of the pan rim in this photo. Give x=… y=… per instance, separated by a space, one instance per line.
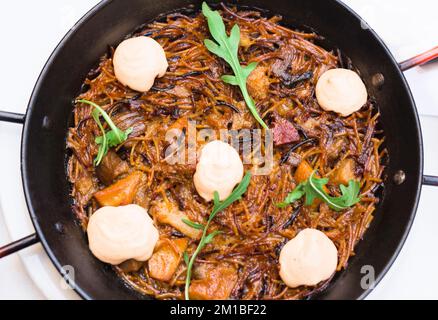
x=93 y=11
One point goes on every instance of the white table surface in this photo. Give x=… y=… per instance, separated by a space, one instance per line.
x=30 y=31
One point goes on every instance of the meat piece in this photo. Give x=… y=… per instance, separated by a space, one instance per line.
x=166 y=259
x=311 y=127
x=180 y=91
x=243 y=120
x=294 y=159
x=283 y=68
x=130 y=119
x=131 y=265
x=201 y=270
x=281 y=65
x=245 y=39
x=217 y=284
x=122 y=192
x=284 y=132
x=218 y=120
x=176 y=171
x=258 y=83
x=345 y=172
x=180 y=124
x=85 y=186
x=142 y=196
x=291 y=80
x=168 y=213
x=111 y=168
x=335 y=148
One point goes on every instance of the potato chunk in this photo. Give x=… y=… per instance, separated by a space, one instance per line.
x=303 y=172
x=166 y=259
x=345 y=172
x=168 y=213
x=120 y=193
x=258 y=83
x=217 y=284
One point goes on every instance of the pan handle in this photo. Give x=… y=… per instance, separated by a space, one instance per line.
x=18 y=245
x=33 y=238
x=419 y=60
x=430 y=181
x=12 y=117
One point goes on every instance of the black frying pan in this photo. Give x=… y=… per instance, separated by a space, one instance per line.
x=43 y=152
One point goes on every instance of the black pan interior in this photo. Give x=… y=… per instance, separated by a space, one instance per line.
x=43 y=146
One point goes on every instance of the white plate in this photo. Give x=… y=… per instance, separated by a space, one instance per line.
x=22 y=61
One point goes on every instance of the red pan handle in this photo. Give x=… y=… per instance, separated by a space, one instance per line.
x=420 y=59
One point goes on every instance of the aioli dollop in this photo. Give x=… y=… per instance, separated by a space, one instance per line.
x=219 y=169
x=341 y=91
x=308 y=259
x=116 y=234
x=138 y=61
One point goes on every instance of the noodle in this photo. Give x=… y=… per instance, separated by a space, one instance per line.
x=254 y=228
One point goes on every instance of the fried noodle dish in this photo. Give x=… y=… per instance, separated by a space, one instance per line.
x=242 y=261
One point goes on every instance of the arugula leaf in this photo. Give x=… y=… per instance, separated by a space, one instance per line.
x=218 y=206
x=186 y=257
x=234 y=196
x=293 y=196
x=209 y=238
x=227 y=48
x=109 y=139
x=113 y=137
x=103 y=149
x=313 y=188
x=194 y=225
x=349 y=195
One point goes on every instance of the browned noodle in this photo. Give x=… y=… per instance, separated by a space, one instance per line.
x=254 y=226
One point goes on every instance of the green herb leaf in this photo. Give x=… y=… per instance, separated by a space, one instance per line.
x=234 y=196
x=230 y=80
x=349 y=195
x=194 y=225
x=313 y=188
x=293 y=196
x=109 y=139
x=103 y=149
x=113 y=137
x=208 y=239
x=218 y=206
x=227 y=48
x=186 y=257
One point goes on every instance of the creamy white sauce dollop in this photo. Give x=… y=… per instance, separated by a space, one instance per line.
x=138 y=61
x=219 y=169
x=341 y=91
x=308 y=259
x=116 y=234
